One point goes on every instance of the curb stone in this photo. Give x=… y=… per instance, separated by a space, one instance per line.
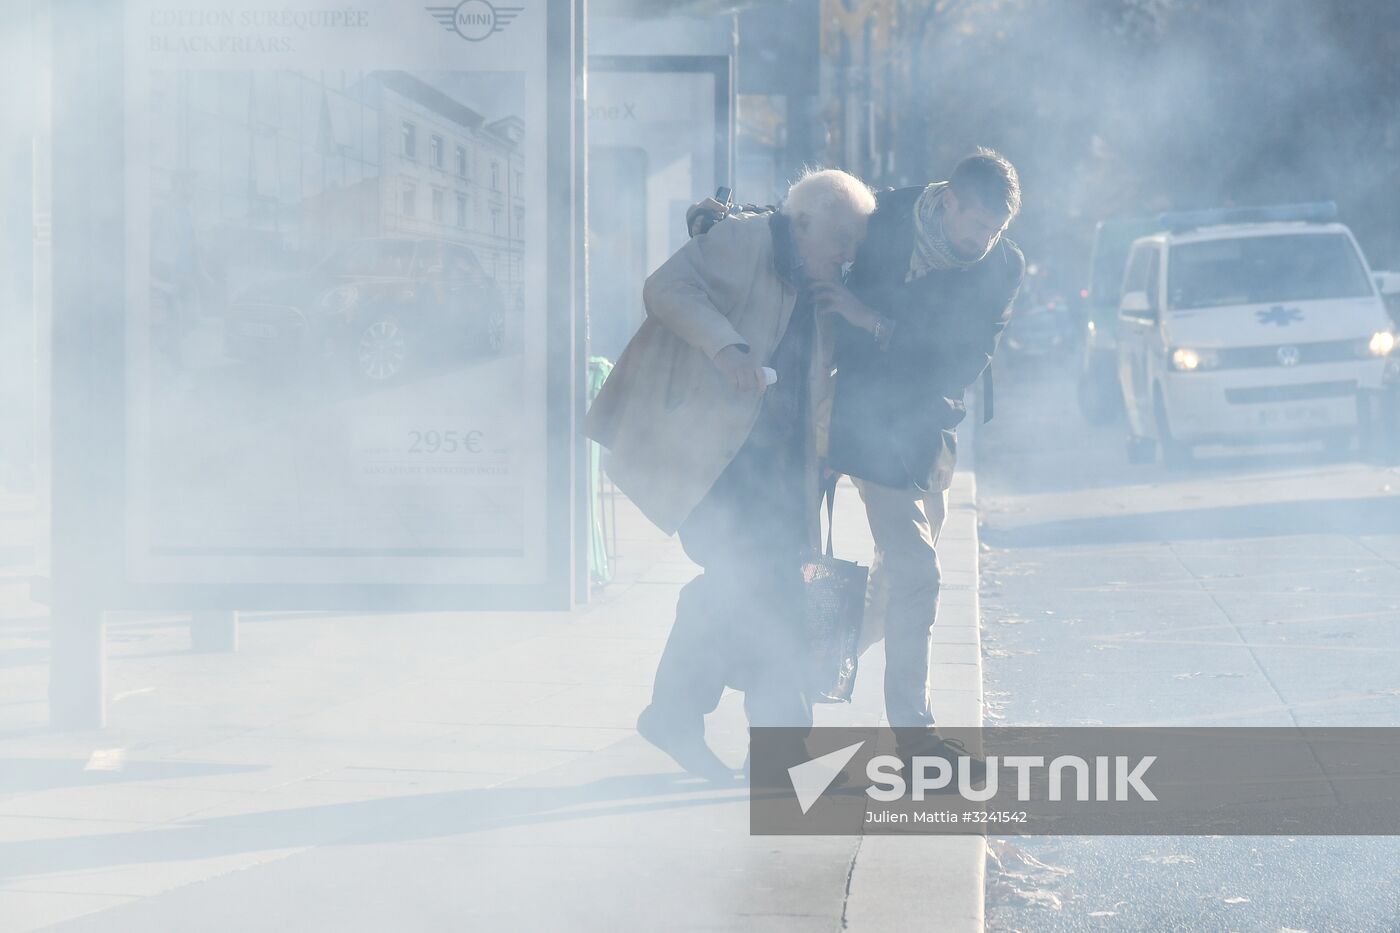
x=928 y=882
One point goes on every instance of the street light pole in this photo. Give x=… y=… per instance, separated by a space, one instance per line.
x=858 y=41
x=86 y=329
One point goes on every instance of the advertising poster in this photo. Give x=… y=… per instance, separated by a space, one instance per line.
x=658 y=141
x=337 y=274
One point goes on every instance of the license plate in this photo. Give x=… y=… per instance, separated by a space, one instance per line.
x=1294 y=415
x=256 y=331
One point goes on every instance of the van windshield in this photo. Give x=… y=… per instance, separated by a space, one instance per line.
x=1255 y=270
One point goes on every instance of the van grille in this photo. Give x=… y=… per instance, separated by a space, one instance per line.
x=1328 y=351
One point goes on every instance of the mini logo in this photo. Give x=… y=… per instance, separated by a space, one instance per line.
x=811 y=778
x=1288 y=356
x=475 y=20
x=1279 y=315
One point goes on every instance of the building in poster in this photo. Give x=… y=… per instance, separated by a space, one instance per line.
x=450 y=174
x=253 y=170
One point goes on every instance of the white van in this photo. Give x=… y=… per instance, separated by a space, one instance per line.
x=1249 y=325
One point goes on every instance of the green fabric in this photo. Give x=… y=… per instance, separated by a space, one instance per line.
x=599 y=567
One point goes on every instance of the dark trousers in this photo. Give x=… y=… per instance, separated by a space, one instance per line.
x=738 y=623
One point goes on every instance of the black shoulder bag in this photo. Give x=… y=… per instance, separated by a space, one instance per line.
x=834 y=603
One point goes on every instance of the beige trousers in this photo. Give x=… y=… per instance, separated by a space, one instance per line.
x=901 y=598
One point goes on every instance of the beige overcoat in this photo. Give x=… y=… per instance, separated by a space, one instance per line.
x=666 y=415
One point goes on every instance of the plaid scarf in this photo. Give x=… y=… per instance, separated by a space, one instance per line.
x=931 y=249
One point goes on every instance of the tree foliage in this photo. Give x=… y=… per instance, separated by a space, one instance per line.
x=1113 y=107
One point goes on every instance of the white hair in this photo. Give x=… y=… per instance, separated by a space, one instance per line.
x=819 y=193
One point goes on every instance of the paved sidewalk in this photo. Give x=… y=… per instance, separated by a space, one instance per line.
x=438 y=771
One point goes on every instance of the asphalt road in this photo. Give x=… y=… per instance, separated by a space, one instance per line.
x=1257 y=587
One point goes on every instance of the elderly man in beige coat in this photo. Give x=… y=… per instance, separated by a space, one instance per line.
x=708 y=443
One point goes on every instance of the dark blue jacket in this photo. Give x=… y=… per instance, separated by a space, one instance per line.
x=893 y=405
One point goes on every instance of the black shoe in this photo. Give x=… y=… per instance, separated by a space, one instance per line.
x=933 y=745
x=688 y=751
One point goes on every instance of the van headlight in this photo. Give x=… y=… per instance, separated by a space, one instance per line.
x=1380 y=344
x=1186 y=360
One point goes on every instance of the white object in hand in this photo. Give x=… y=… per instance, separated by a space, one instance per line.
x=770 y=376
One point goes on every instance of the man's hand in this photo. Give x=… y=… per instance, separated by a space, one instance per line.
x=835 y=298
x=739 y=370
x=704 y=215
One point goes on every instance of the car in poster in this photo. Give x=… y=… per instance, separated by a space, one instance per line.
x=1250 y=325
x=387 y=308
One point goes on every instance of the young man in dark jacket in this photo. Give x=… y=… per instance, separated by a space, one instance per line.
x=927 y=299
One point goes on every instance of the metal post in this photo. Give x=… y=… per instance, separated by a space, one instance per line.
x=582 y=489
x=86 y=334
x=214 y=631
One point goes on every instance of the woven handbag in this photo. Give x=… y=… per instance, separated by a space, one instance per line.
x=834 y=604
